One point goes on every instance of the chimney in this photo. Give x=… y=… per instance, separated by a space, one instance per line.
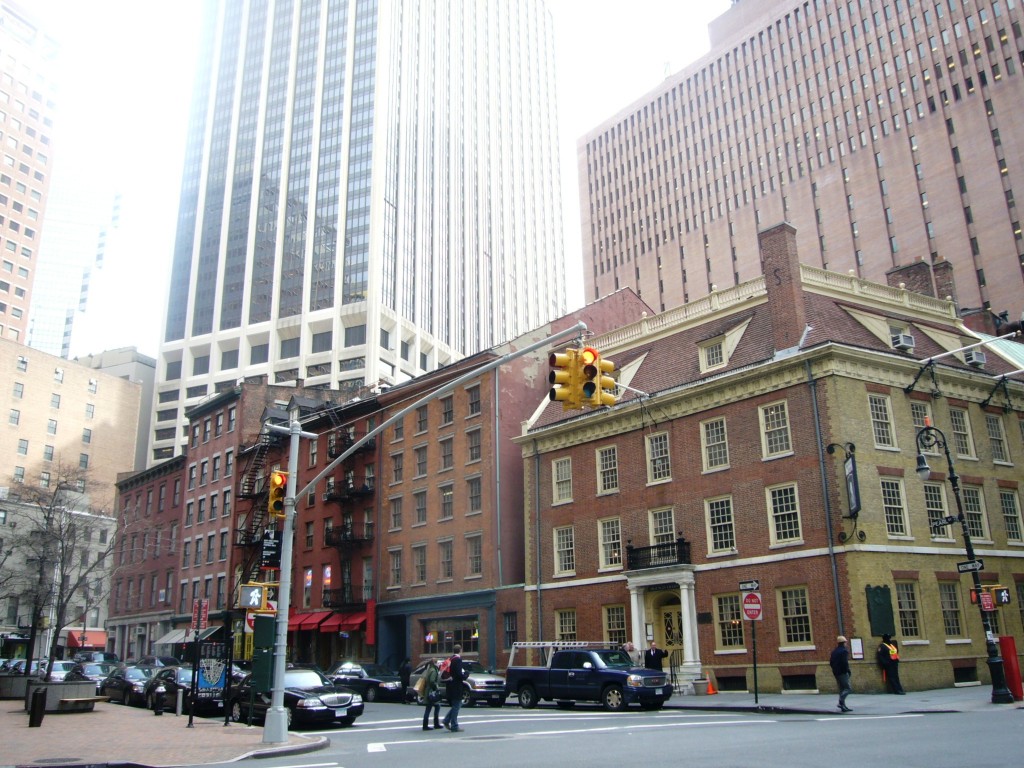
x=782 y=282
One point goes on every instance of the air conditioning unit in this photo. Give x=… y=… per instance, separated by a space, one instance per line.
x=903 y=341
x=975 y=357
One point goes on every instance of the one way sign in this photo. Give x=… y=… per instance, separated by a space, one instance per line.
x=971 y=565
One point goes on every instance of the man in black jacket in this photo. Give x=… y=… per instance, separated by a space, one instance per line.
x=453 y=689
x=653 y=657
x=840 y=663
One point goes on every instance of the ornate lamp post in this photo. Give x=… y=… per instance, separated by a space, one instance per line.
x=932 y=437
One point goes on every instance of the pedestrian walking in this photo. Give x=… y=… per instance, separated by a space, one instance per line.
x=453 y=689
x=431 y=695
x=888 y=656
x=653 y=657
x=405 y=673
x=840 y=663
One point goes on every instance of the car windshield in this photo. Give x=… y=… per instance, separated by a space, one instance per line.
x=99 y=669
x=134 y=673
x=618 y=659
x=304 y=678
x=62 y=666
x=474 y=666
x=376 y=670
x=184 y=675
x=345 y=668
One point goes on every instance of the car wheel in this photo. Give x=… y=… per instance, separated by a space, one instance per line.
x=371 y=693
x=290 y=716
x=126 y=698
x=612 y=699
x=236 y=711
x=467 y=698
x=527 y=697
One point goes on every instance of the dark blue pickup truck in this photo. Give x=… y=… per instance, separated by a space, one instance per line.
x=603 y=674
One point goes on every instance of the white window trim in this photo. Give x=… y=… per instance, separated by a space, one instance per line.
x=604 y=565
x=704 y=446
x=765 y=456
x=774 y=542
x=555 y=464
x=887 y=402
x=601 y=490
x=556 y=565
x=707 y=526
x=649 y=463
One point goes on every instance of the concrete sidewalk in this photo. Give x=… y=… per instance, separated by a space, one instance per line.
x=964 y=699
x=113 y=735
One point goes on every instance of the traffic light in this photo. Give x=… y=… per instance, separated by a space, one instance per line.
x=598 y=388
x=564 y=379
x=278 y=488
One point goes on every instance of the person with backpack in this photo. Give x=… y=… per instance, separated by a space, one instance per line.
x=453 y=688
x=431 y=695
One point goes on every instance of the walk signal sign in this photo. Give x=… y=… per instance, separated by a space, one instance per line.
x=565 y=379
x=278 y=489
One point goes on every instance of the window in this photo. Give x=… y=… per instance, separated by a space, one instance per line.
x=659 y=467
x=447 y=453
x=721 y=530
x=473 y=444
x=712 y=355
x=444 y=553
x=474 y=399
x=775 y=430
x=186 y=549
x=663 y=528
x=420 y=456
x=963 y=442
x=729 y=621
x=610 y=536
x=14 y=417
x=396 y=513
x=90 y=410
x=23 y=449
x=949 y=601
x=909 y=609
x=47 y=452
x=229 y=462
x=54 y=400
x=447 y=410
x=420 y=503
x=474 y=494
x=607 y=469
x=86 y=435
x=51 y=426
x=199 y=551
x=58 y=375
x=19 y=390
x=189 y=513
x=881 y=421
x=615 y=624
x=289 y=348
x=511 y=624
x=561 y=480
x=475 y=555
x=422 y=421
x=795 y=616
x=231 y=419
x=399 y=430
x=565 y=555
x=974 y=513
x=419 y=564
x=715 y=445
x=19 y=475
x=565 y=625
x=223 y=553
x=218 y=428
x=1011 y=515
x=215 y=468
x=996 y=438
x=447 y=502
x=895 y=511
x=785 y=514
x=395 y=568
x=44 y=479
x=322 y=342
x=83 y=461
x=22 y=364
x=397 y=463
x=935 y=505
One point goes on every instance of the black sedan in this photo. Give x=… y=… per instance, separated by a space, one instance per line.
x=90 y=670
x=354 y=675
x=310 y=698
x=127 y=685
x=174 y=679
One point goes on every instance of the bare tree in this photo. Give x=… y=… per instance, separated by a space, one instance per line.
x=62 y=565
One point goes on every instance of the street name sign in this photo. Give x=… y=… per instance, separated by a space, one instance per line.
x=971 y=565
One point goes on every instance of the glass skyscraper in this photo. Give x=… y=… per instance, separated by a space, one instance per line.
x=370 y=192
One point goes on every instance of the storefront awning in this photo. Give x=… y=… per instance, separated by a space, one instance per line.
x=94 y=638
x=208 y=632
x=306 y=621
x=294 y=619
x=352 y=622
x=332 y=623
x=172 y=637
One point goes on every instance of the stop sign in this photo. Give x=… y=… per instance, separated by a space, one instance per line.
x=752 y=606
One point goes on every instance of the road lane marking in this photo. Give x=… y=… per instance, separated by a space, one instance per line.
x=855 y=718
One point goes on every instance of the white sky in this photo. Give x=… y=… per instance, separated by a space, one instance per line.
x=126 y=73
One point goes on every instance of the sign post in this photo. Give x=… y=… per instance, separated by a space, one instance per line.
x=752 y=610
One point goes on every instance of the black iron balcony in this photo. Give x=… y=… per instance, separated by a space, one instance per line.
x=246 y=538
x=349 y=535
x=345 y=598
x=357 y=488
x=672 y=553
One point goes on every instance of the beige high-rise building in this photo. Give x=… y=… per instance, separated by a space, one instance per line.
x=26 y=129
x=887 y=132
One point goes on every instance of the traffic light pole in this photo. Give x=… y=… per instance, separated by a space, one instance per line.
x=275 y=728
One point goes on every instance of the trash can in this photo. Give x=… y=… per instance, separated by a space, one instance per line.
x=700 y=687
x=37 y=708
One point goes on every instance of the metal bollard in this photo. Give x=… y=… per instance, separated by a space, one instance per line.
x=159 y=699
x=37 y=708
x=179 y=705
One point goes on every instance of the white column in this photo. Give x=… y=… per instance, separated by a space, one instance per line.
x=691 y=646
x=636 y=609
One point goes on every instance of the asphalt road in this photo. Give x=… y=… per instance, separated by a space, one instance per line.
x=389 y=736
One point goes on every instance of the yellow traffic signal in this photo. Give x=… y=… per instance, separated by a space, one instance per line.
x=278 y=488
x=598 y=388
x=606 y=385
x=564 y=379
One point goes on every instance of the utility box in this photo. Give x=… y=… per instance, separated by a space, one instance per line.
x=263 y=631
x=262 y=669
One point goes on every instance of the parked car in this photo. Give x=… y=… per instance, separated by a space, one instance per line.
x=60 y=670
x=310 y=698
x=352 y=675
x=480 y=686
x=90 y=671
x=18 y=667
x=98 y=656
x=127 y=684
x=157 y=661
x=174 y=679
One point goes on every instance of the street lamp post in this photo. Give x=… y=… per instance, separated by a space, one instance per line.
x=931 y=437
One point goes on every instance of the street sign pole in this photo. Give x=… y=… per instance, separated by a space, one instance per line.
x=753 y=638
x=752 y=609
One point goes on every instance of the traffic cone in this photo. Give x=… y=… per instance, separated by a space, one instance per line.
x=711 y=687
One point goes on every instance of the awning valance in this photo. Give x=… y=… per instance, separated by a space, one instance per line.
x=172 y=637
x=94 y=638
x=312 y=620
x=332 y=623
x=353 y=621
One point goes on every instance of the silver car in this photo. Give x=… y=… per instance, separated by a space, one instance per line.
x=481 y=685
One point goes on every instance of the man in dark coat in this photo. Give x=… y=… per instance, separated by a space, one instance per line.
x=405 y=674
x=889 y=661
x=840 y=663
x=453 y=689
x=653 y=657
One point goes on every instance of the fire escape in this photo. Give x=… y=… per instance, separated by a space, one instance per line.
x=252 y=486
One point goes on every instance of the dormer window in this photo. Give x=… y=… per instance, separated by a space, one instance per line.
x=712 y=355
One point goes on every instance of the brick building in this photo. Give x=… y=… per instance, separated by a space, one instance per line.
x=643 y=519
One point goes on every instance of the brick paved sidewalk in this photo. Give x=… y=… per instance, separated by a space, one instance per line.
x=114 y=734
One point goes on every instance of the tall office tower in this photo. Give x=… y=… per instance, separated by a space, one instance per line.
x=887 y=132
x=370 y=191
x=26 y=129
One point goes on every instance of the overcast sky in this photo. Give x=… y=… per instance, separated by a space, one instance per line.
x=126 y=70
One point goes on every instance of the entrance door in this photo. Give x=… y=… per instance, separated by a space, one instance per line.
x=672 y=628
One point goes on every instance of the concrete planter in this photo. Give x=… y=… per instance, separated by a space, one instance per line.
x=56 y=691
x=700 y=687
x=13 y=686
